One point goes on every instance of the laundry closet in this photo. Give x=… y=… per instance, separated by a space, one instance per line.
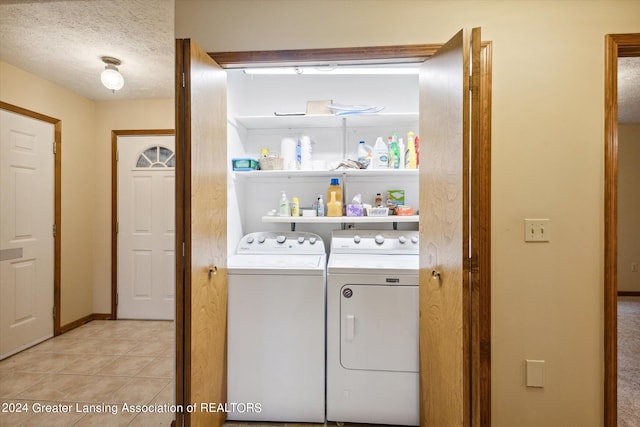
x=263 y=109
x=224 y=113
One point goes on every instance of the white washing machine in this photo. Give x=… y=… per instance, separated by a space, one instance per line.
x=372 y=327
x=276 y=328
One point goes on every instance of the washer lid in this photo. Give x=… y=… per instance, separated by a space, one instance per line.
x=277 y=264
x=361 y=263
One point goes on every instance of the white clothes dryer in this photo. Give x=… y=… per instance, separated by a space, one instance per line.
x=276 y=328
x=372 y=327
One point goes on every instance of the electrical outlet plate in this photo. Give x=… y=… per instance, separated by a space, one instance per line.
x=534 y=373
x=537 y=230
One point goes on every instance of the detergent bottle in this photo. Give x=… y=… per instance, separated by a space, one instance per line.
x=380 y=154
x=410 y=155
x=364 y=154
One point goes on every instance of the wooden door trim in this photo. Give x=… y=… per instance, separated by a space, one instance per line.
x=481 y=347
x=57 y=204
x=349 y=55
x=616 y=46
x=114 y=205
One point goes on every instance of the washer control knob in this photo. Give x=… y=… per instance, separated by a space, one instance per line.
x=249 y=239
x=301 y=239
x=402 y=239
x=414 y=239
x=312 y=240
x=356 y=239
x=281 y=238
x=379 y=239
x=261 y=239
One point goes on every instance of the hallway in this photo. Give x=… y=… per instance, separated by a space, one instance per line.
x=91 y=372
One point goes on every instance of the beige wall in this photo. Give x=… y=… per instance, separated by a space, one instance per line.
x=547 y=154
x=78 y=121
x=86 y=178
x=116 y=115
x=628 y=206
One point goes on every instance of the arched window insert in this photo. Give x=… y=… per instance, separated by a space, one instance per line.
x=156 y=157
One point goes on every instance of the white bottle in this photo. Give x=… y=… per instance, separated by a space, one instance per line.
x=380 y=154
x=364 y=154
x=285 y=207
x=401 y=152
x=320 y=206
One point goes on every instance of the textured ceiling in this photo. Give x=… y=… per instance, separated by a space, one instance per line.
x=62 y=41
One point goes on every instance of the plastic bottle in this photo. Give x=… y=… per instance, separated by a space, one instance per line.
x=320 y=206
x=394 y=154
x=364 y=154
x=417 y=142
x=334 y=206
x=285 y=207
x=410 y=155
x=378 y=201
x=402 y=152
x=380 y=154
x=334 y=186
x=295 y=206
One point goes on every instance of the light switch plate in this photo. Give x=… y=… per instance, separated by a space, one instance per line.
x=535 y=373
x=537 y=230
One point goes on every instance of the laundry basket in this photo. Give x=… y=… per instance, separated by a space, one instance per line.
x=271 y=163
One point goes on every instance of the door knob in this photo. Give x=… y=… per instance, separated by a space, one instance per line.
x=435 y=275
x=213 y=270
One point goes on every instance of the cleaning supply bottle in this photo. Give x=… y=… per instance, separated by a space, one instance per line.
x=285 y=207
x=295 y=206
x=394 y=154
x=334 y=186
x=320 y=206
x=417 y=142
x=364 y=154
x=410 y=154
x=377 y=203
x=401 y=151
x=334 y=205
x=380 y=154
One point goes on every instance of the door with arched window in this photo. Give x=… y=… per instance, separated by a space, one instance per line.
x=145 y=227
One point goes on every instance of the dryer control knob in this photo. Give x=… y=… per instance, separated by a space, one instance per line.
x=402 y=239
x=356 y=239
x=281 y=239
x=260 y=239
x=312 y=240
x=414 y=239
x=249 y=239
x=301 y=239
x=379 y=239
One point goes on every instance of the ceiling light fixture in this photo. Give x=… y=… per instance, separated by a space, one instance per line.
x=111 y=77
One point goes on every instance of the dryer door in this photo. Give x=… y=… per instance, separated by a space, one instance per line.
x=379 y=327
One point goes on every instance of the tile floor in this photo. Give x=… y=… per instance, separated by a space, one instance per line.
x=97 y=367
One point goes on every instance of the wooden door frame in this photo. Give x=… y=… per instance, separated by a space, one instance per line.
x=616 y=46
x=114 y=204
x=481 y=346
x=57 y=204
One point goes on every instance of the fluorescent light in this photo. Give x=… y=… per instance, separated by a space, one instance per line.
x=335 y=70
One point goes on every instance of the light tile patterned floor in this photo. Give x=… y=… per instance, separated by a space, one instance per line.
x=99 y=366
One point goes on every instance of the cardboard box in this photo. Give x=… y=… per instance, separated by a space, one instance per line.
x=318 y=107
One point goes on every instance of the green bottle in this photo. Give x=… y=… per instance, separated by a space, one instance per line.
x=394 y=153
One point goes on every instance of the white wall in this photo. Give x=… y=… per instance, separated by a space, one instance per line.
x=628 y=206
x=547 y=161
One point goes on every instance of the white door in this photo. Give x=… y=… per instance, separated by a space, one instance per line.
x=146 y=227
x=26 y=231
